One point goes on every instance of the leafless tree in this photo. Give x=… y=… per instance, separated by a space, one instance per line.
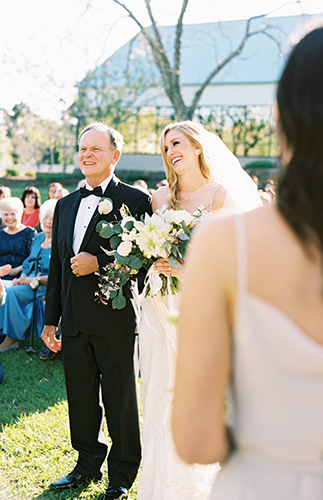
x=170 y=73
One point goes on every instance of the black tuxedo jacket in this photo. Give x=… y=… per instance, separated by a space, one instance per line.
x=72 y=298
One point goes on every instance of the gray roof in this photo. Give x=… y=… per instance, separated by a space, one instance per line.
x=204 y=45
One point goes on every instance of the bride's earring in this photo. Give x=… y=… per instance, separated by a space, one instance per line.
x=197 y=151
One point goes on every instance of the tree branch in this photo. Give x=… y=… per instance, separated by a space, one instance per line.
x=158 y=51
x=169 y=77
x=220 y=66
x=178 y=39
x=231 y=56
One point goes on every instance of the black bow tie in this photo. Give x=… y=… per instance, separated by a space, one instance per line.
x=97 y=191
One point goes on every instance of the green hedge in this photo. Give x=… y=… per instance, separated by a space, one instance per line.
x=260 y=164
x=48 y=178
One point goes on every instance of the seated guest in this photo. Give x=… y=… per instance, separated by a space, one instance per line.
x=32 y=202
x=141 y=184
x=52 y=188
x=18 y=310
x=81 y=183
x=60 y=193
x=15 y=238
x=5 y=192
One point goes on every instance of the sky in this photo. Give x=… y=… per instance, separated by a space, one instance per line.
x=47 y=46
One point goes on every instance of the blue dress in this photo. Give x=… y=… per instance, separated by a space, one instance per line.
x=15 y=248
x=16 y=314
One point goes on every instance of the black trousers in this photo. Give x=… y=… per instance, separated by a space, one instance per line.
x=99 y=375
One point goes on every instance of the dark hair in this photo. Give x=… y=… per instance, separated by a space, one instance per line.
x=300 y=105
x=31 y=190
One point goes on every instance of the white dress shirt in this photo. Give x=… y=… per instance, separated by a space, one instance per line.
x=85 y=213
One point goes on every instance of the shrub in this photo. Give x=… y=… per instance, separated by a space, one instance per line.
x=12 y=172
x=31 y=173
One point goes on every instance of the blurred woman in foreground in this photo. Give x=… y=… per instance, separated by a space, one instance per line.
x=251 y=319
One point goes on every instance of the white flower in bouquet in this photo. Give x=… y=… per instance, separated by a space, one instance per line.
x=105 y=206
x=151 y=244
x=152 y=235
x=125 y=220
x=124 y=249
x=132 y=235
x=155 y=221
x=178 y=216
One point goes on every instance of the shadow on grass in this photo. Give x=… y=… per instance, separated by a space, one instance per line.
x=88 y=492
x=30 y=385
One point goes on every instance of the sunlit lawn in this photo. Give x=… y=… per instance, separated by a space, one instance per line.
x=34 y=435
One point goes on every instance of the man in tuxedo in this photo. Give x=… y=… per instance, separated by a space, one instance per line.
x=97 y=341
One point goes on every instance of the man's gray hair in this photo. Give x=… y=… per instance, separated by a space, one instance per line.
x=116 y=139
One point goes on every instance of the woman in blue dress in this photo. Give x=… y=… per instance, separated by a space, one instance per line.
x=16 y=314
x=15 y=239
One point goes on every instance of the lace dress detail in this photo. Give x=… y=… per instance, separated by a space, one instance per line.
x=164 y=475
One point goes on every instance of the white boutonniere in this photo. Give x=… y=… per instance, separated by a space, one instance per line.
x=105 y=206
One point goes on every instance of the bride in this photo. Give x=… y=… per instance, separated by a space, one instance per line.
x=202 y=174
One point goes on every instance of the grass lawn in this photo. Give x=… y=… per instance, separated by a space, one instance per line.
x=35 y=444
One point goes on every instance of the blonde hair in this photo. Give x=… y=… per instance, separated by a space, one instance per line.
x=12 y=203
x=194 y=133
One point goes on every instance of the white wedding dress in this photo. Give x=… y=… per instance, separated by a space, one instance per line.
x=276 y=403
x=164 y=475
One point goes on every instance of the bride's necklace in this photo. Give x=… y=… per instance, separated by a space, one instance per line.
x=188 y=195
x=187 y=198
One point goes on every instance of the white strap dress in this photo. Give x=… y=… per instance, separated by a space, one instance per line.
x=276 y=402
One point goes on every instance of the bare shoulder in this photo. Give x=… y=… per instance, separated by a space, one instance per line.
x=160 y=197
x=213 y=242
x=215 y=238
x=216 y=230
x=219 y=197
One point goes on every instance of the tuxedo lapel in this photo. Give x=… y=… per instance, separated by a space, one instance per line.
x=110 y=187
x=95 y=219
x=71 y=222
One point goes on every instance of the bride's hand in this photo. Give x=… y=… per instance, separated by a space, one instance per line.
x=162 y=267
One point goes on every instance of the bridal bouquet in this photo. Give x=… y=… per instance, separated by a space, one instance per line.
x=137 y=244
